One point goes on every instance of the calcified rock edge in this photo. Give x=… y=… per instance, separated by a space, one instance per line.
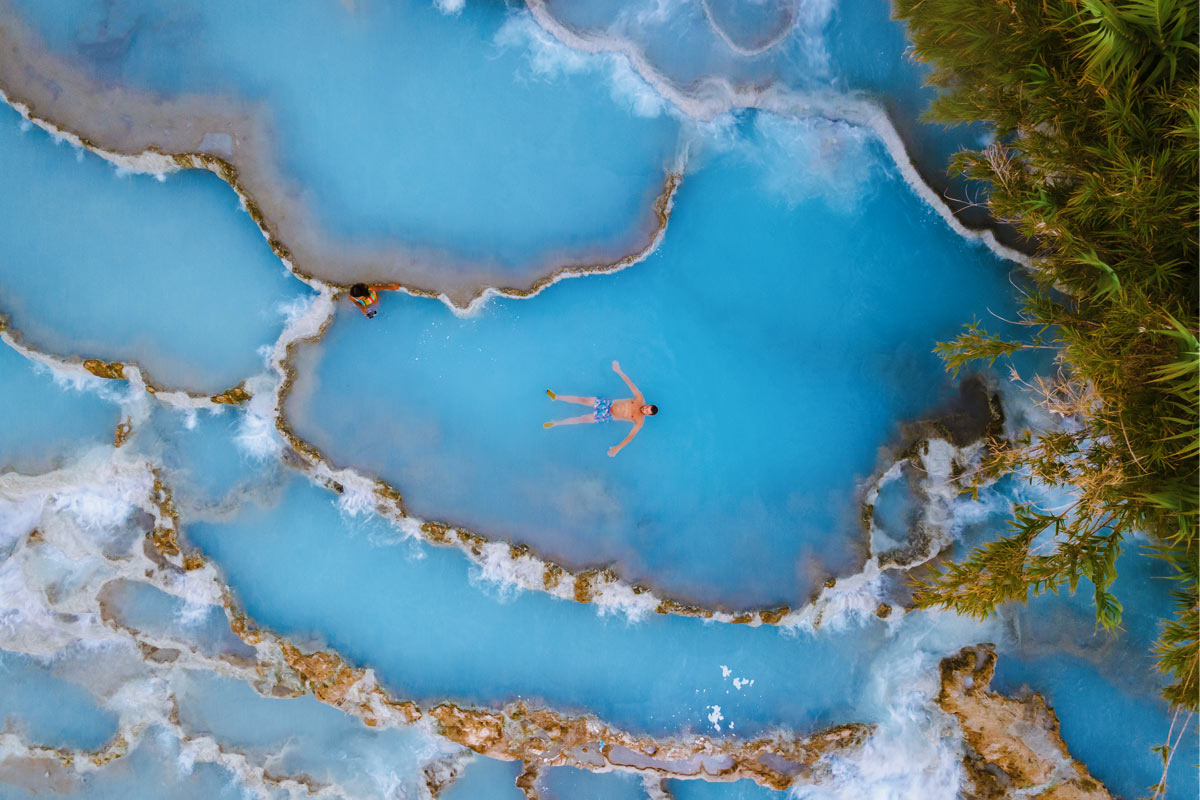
x=142 y=131
x=947 y=469
x=1013 y=747
x=995 y=728
x=539 y=737
x=51 y=612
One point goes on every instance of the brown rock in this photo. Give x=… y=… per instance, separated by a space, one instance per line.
x=584 y=585
x=1012 y=745
x=326 y=674
x=552 y=576
x=232 y=397
x=771 y=616
x=110 y=370
x=482 y=731
x=436 y=532
x=122 y=433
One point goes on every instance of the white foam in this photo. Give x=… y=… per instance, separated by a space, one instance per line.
x=809 y=158
x=551 y=60
x=548 y=58
x=507 y=577
x=357 y=500
x=715 y=717
x=914 y=754
x=710 y=97
x=619 y=598
x=629 y=90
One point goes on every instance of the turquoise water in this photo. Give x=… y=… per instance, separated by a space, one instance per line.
x=771 y=414
x=738 y=790
x=1103 y=686
x=784 y=326
x=850 y=45
x=404 y=125
x=290 y=567
x=486 y=779
x=157 y=613
x=568 y=783
x=44 y=423
x=125 y=268
x=305 y=737
x=207 y=460
x=48 y=710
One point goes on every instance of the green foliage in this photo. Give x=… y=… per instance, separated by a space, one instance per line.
x=1095 y=106
x=976 y=343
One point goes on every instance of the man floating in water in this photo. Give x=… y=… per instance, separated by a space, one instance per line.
x=365 y=298
x=633 y=409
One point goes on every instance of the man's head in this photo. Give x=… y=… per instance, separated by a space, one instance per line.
x=649 y=410
x=359 y=290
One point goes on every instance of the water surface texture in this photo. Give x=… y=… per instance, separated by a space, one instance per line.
x=170 y=275
x=723 y=53
x=45 y=421
x=743 y=490
x=298 y=553
x=435 y=143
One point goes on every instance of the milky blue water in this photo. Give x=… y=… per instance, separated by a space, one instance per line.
x=770 y=415
x=737 y=790
x=205 y=458
x=291 y=568
x=157 y=613
x=52 y=712
x=851 y=45
x=486 y=779
x=125 y=268
x=402 y=124
x=1102 y=684
x=288 y=567
x=568 y=783
x=154 y=766
x=304 y=736
x=784 y=326
x=868 y=52
x=44 y=422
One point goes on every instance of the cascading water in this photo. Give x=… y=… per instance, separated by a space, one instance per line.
x=253 y=544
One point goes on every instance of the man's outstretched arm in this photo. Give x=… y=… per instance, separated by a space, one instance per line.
x=637 y=393
x=637 y=426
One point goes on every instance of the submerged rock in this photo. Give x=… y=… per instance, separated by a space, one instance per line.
x=1013 y=746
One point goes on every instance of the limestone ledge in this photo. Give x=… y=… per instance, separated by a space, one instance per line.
x=137 y=377
x=541 y=737
x=515 y=562
x=232 y=397
x=147 y=132
x=547 y=738
x=523 y=566
x=1013 y=746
